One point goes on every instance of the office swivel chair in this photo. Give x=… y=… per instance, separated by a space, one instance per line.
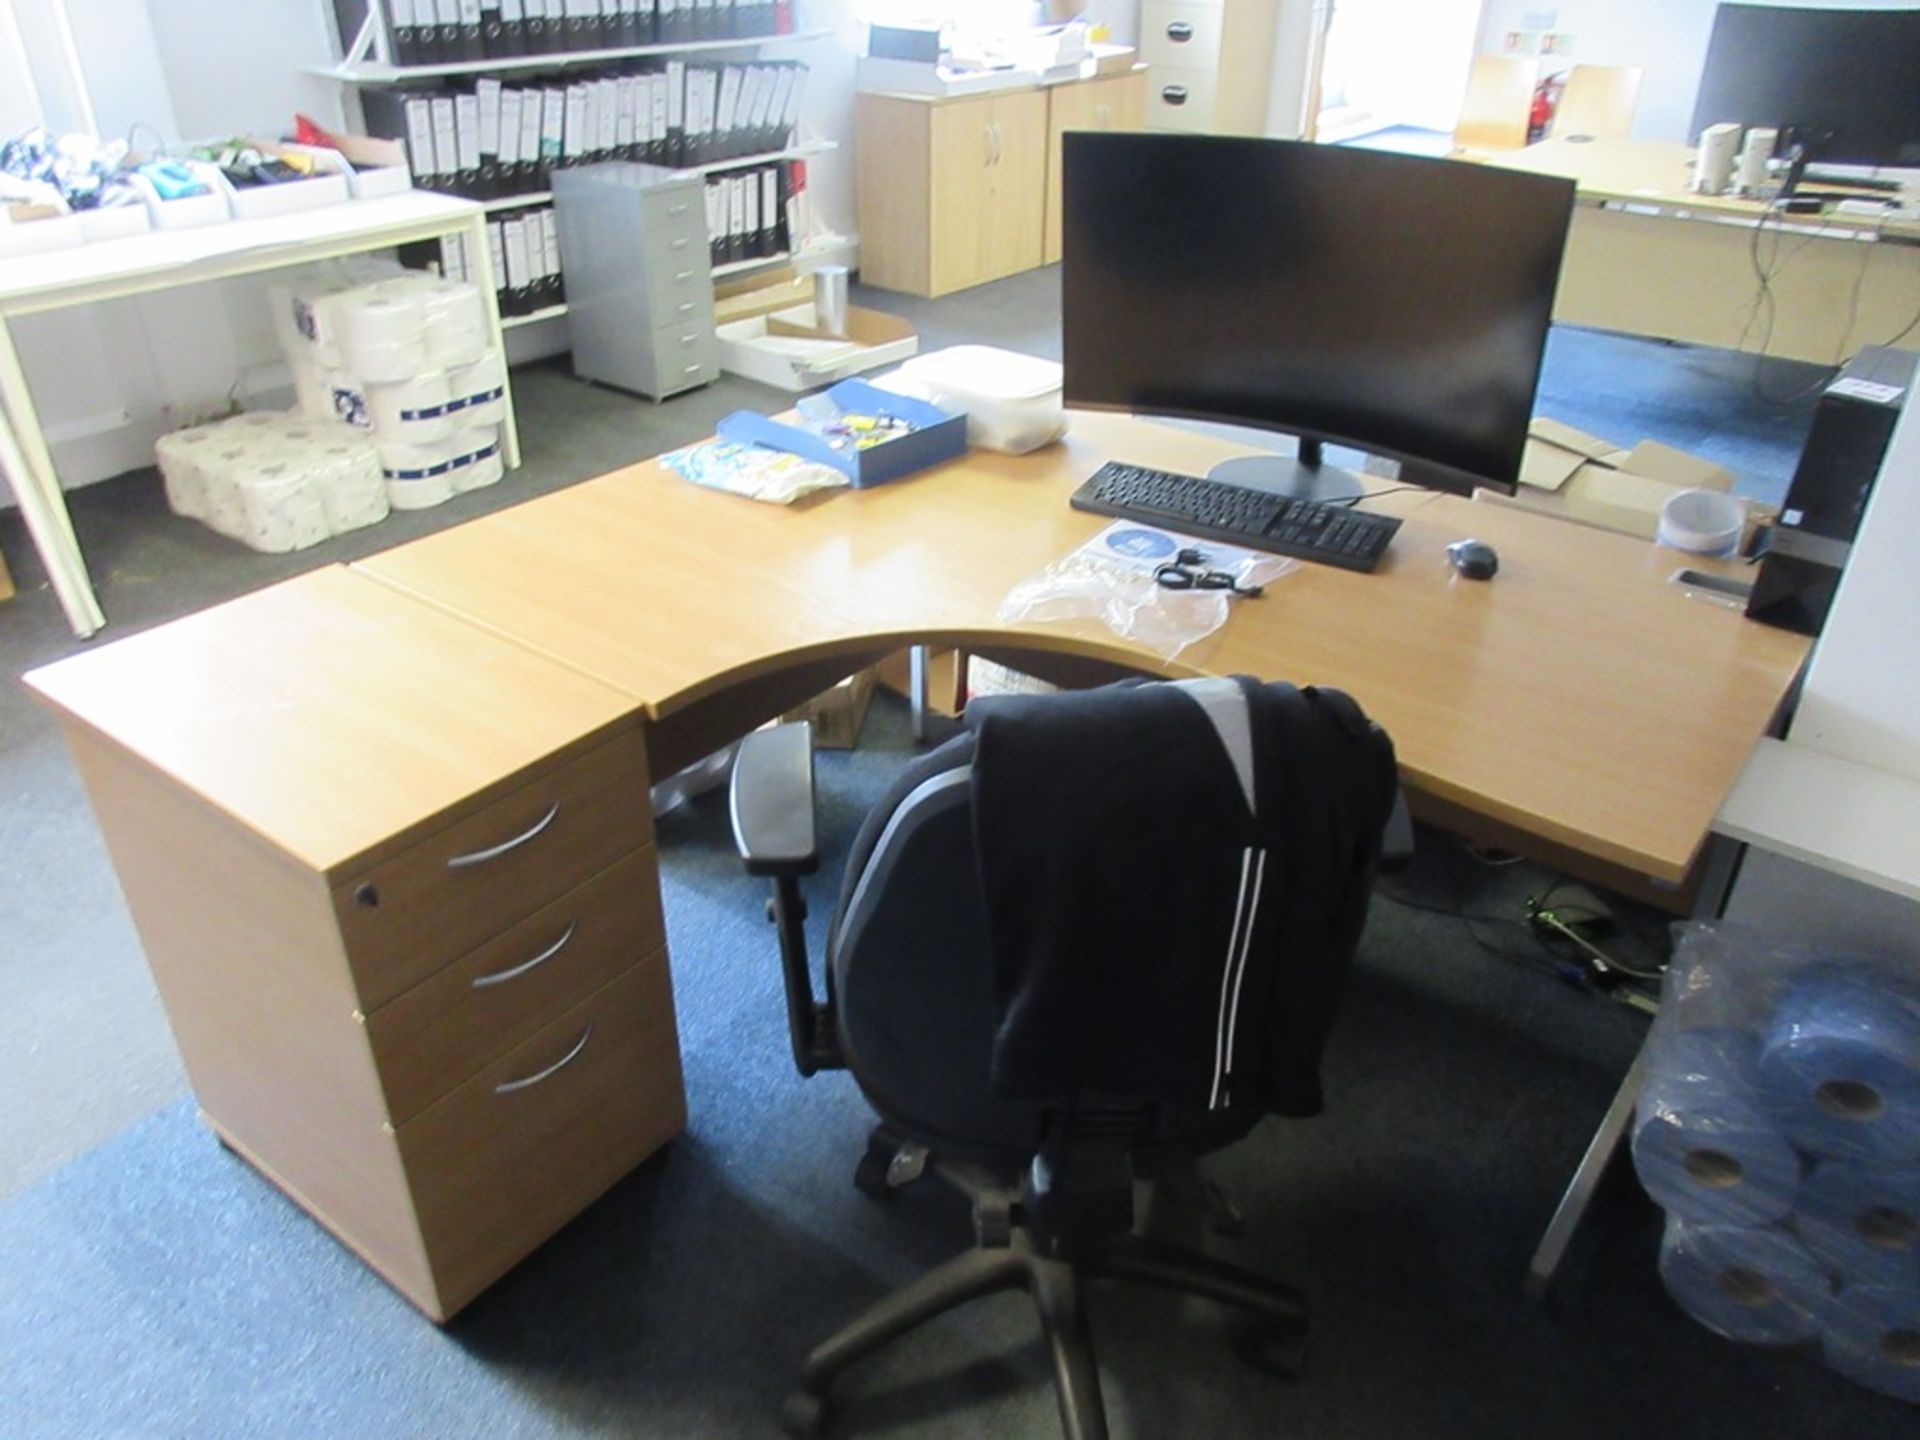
x=910 y=1008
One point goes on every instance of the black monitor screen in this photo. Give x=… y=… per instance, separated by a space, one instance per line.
x=1396 y=304
x=1846 y=83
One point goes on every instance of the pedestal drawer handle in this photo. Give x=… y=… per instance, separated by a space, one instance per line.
x=507 y=1087
x=494 y=852
x=1180 y=32
x=500 y=977
x=1174 y=94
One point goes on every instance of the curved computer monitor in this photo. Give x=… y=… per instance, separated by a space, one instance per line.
x=1394 y=304
x=1842 y=84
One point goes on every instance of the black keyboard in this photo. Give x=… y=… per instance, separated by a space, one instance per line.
x=1212 y=510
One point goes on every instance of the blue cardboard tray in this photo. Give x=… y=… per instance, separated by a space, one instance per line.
x=940 y=437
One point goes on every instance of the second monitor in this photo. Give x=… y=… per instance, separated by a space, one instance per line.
x=1395 y=304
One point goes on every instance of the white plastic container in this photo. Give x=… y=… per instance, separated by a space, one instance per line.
x=1011 y=401
x=1702 y=522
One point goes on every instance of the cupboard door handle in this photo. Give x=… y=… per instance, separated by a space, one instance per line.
x=1174 y=94
x=508 y=1087
x=680 y=277
x=986 y=135
x=999 y=142
x=1180 y=32
x=1103 y=116
x=494 y=852
x=500 y=977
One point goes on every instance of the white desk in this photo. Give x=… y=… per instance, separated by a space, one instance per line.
x=161 y=260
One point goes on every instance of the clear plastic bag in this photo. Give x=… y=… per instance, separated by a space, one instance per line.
x=1112 y=580
x=1780 y=1128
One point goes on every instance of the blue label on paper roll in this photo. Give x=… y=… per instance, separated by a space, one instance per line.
x=1840 y=1066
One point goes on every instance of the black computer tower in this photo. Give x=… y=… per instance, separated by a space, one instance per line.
x=1807 y=551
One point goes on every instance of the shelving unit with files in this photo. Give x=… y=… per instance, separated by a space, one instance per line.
x=490 y=101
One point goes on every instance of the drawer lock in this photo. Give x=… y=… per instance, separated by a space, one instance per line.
x=367 y=897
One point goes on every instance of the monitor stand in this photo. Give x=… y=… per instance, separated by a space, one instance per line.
x=1305 y=478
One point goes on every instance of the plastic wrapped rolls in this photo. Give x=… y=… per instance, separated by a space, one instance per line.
x=1871 y=1335
x=1863 y=1222
x=1701 y=1146
x=1756 y=1286
x=1840 y=1066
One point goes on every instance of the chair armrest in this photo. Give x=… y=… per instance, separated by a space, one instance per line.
x=772 y=801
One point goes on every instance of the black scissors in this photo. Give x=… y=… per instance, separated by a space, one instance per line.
x=1187 y=571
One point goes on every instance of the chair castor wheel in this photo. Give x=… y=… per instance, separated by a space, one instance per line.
x=804 y=1415
x=1278 y=1348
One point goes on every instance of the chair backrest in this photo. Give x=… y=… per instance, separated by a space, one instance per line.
x=911 y=965
x=1495 y=110
x=925 y=992
x=1598 y=101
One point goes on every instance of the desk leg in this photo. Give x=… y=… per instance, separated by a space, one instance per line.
x=1718 y=863
x=917 y=688
x=479 y=247
x=1573 y=1205
x=28 y=466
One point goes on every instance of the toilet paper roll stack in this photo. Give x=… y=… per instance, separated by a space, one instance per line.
x=383 y=333
x=418 y=476
x=274 y=482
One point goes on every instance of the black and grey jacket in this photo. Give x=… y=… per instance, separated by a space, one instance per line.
x=1176 y=878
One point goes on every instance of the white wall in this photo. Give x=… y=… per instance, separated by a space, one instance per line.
x=1666 y=38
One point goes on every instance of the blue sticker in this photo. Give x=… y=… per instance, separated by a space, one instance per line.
x=1141 y=544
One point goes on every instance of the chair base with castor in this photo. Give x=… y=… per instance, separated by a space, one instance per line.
x=1017 y=1248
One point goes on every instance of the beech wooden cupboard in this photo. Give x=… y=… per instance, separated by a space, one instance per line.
x=957 y=192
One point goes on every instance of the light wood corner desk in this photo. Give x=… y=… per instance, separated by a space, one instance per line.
x=1648 y=257
x=384 y=830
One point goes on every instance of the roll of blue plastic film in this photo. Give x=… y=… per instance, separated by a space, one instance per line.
x=1703 y=1147
x=1863 y=1221
x=1748 y=1284
x=1840 y=1066
x=1871 y=1335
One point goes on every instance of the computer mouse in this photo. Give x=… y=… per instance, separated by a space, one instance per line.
x=1474 y=559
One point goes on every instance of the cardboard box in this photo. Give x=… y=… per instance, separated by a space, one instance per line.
x=1580 y=477
x=838 y=714
x=787 y=350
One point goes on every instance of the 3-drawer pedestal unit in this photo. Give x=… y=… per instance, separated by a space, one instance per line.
x=395 y=877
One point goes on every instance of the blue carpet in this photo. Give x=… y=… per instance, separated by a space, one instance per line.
x=1404 y=140
x=158 y=1288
